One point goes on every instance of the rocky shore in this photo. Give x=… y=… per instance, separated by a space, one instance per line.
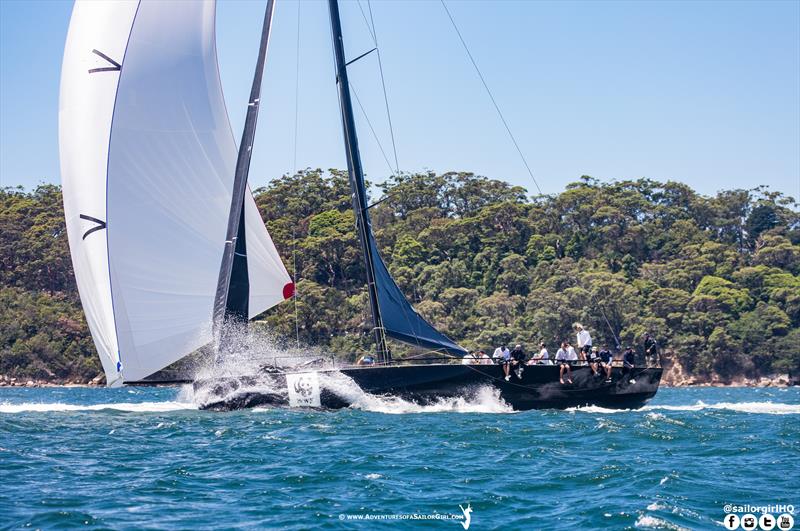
x=781 y=380
x=676 y=376
x=8 y=381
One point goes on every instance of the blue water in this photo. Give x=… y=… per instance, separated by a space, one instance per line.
x=135 y=458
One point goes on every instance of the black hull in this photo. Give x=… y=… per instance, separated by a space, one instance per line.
x=539 y=387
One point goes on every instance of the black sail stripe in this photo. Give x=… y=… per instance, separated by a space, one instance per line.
x=100 y=225
x=107 y=58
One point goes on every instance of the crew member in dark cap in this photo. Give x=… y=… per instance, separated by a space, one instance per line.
x=518 y=360
x=628 y=361
x=594 y=361
x=650 y=351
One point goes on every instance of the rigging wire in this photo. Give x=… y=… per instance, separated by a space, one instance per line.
x=296 y=313
x=294 y=169
x=488 y=91
x=383 y=85
x=364 y=15
x=577 y=283
x=370 y=24
x=372 y=129
x=610 y=328
x=296 y=88
x=514 y=140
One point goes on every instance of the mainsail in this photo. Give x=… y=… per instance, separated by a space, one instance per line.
x=400 y=320
x=148 y=159
x=392 y=314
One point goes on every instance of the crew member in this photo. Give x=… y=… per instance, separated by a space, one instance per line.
x=563 y=359
x=469 y=359
x=594 y=361
x=501 y=353
x=502 y=356
x=628 y=362
x=572 y=354
x=606 y=360
x=543 y=358
x=584 y=341
x=650 y=351
x=366 y=359
x=518 y=360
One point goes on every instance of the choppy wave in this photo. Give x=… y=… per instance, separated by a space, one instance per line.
x=767 y=408
x=129 y=407
x=651 y=522
x=639 y=472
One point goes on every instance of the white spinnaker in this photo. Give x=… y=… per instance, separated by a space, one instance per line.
x=269 y=281
x=171 y=161
x=171 y=164
x=86 y=106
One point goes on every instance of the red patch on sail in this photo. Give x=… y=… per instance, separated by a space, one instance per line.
x=288 y=290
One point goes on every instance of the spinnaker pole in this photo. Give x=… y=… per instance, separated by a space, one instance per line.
x=356 y=174
x=231 y=301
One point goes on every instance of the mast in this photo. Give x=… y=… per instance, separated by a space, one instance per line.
x=356 y=174
x=231 y=302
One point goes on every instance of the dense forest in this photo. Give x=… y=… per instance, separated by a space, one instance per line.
x=715 y=279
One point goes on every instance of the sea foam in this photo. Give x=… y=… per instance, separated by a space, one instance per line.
x=651 y=522
x=129 y=407
x=766 y=408
x=483 y=400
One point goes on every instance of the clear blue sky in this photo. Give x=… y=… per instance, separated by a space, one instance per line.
x=707 y=93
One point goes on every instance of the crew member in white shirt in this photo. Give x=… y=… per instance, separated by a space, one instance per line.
x=584 y=340
x=563 y=357
x=501 y=353
x=543 y=358
x=572 y=355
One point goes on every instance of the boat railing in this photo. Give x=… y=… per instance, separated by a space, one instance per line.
x=331 y=361
x=458 y=361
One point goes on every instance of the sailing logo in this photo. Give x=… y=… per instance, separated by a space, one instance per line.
x=467 y=515
x=303 y=389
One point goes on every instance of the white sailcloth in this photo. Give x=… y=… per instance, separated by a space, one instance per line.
x=88 y=88
x=170 y=158
x=270 y=284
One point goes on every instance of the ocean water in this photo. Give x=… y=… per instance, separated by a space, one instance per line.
x=147 y=458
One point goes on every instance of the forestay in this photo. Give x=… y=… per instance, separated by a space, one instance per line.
x=154 y=165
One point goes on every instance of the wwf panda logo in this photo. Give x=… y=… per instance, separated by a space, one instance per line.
x=304 y=387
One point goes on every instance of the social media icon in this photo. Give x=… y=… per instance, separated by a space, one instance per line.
x=785 y=522
x=731 y=521
x=749 y=522
x=767 y=522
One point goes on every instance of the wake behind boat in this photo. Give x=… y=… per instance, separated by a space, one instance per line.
x=170 y=251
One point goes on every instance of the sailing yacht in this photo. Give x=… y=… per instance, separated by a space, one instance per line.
x=170 y=251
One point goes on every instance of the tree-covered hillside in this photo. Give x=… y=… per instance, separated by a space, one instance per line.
x=716 y=279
